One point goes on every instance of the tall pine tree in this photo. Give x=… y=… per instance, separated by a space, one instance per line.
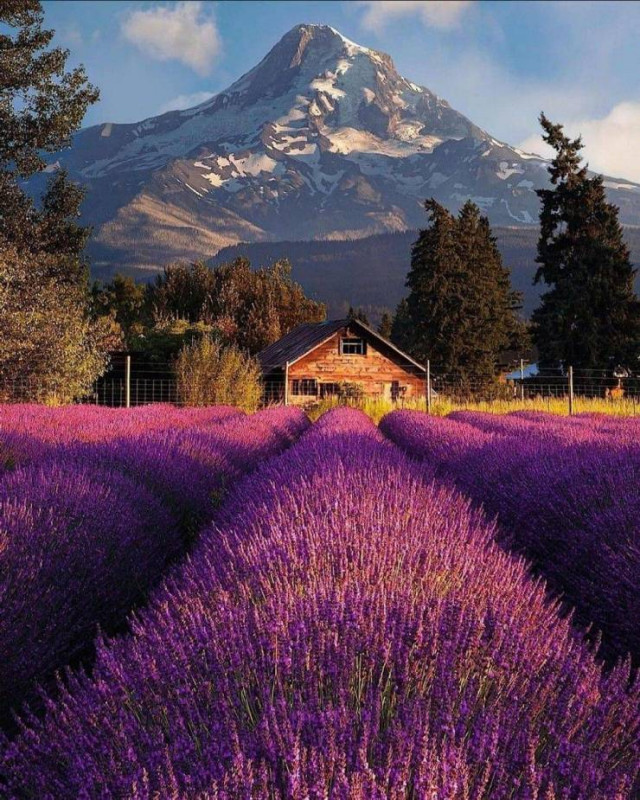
x=435 y=283
x=385 y=327
x=44 y=292
x=589 y=317
x=358 y=314
x=460 y=311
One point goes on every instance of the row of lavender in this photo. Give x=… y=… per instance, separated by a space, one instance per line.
x=347 y=629
x=566 y=492
x=94 y=507
x=29 y=431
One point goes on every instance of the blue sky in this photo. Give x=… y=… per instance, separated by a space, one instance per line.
x=499 y=63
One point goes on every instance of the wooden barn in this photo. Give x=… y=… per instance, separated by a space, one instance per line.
x=315 y=360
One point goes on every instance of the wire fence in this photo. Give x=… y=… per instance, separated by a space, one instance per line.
x=143 y=391
x=569 y=391
x=132 y=384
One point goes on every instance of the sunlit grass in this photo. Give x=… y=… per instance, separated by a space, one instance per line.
x=376 y=408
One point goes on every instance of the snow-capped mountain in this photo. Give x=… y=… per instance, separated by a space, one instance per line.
x=322 y=139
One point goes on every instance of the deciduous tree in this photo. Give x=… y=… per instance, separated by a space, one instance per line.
x=48 y=350
x=47 y=337
x=246 y=307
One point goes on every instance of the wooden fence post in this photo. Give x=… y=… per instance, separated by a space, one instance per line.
x=286 y=383
x=522 y=380
x=570 y=391
x=127 y=383
x=428 y=386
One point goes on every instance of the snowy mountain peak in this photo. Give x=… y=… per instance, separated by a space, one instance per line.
x=324 y=39
x=322 y=138
x=311 y=59
x=315 y=92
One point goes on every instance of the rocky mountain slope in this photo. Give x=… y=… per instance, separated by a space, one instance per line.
x=323 y=139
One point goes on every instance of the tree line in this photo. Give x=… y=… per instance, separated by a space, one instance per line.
x=460 y=311
x=231 y=303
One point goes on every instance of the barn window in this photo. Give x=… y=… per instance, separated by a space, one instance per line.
x=352 y=347
x=304 y=386
x=329 y=389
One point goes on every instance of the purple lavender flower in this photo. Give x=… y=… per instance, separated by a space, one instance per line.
x=88 y=529
x=348 y=628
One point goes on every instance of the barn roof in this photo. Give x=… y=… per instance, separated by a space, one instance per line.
x=304 y=338
x=298 y=342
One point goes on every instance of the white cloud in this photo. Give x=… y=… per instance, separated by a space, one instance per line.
x=535 y=144
x=71 y=36
x=433 y=13
x=610 y=143
x=185 y=101
x=182 y=33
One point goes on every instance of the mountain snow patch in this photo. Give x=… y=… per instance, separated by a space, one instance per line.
x=506 y=171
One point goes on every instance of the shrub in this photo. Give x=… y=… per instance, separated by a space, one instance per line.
x=564 y=491
x=209 y=374
x=349 y=391
x=88 y=528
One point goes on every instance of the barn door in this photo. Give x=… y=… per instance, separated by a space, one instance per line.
x=391 y=390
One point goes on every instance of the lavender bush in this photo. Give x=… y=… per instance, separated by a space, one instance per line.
x=94 y=423
x=17 y=449
x=566 y=496
x=347 y=629
x=80 y=545
x=582 y=427
x=88 y=529
x=29 y=432
x=190 y=467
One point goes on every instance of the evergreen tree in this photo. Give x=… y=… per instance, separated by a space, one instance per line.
x=590 y=316
x=358 y=314
x=42 y=268
x=490 y=320
x=435 y=283
x=460 y=311
x=402 y=327
x=385 y=327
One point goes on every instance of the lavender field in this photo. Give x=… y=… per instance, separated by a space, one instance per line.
x=205 y=604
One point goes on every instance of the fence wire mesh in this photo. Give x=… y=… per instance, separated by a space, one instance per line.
x=148 y=383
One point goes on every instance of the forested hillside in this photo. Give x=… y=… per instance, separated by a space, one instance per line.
x=370 y=272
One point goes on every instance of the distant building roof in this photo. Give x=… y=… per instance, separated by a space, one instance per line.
x=530 y=371
x=303 y=338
